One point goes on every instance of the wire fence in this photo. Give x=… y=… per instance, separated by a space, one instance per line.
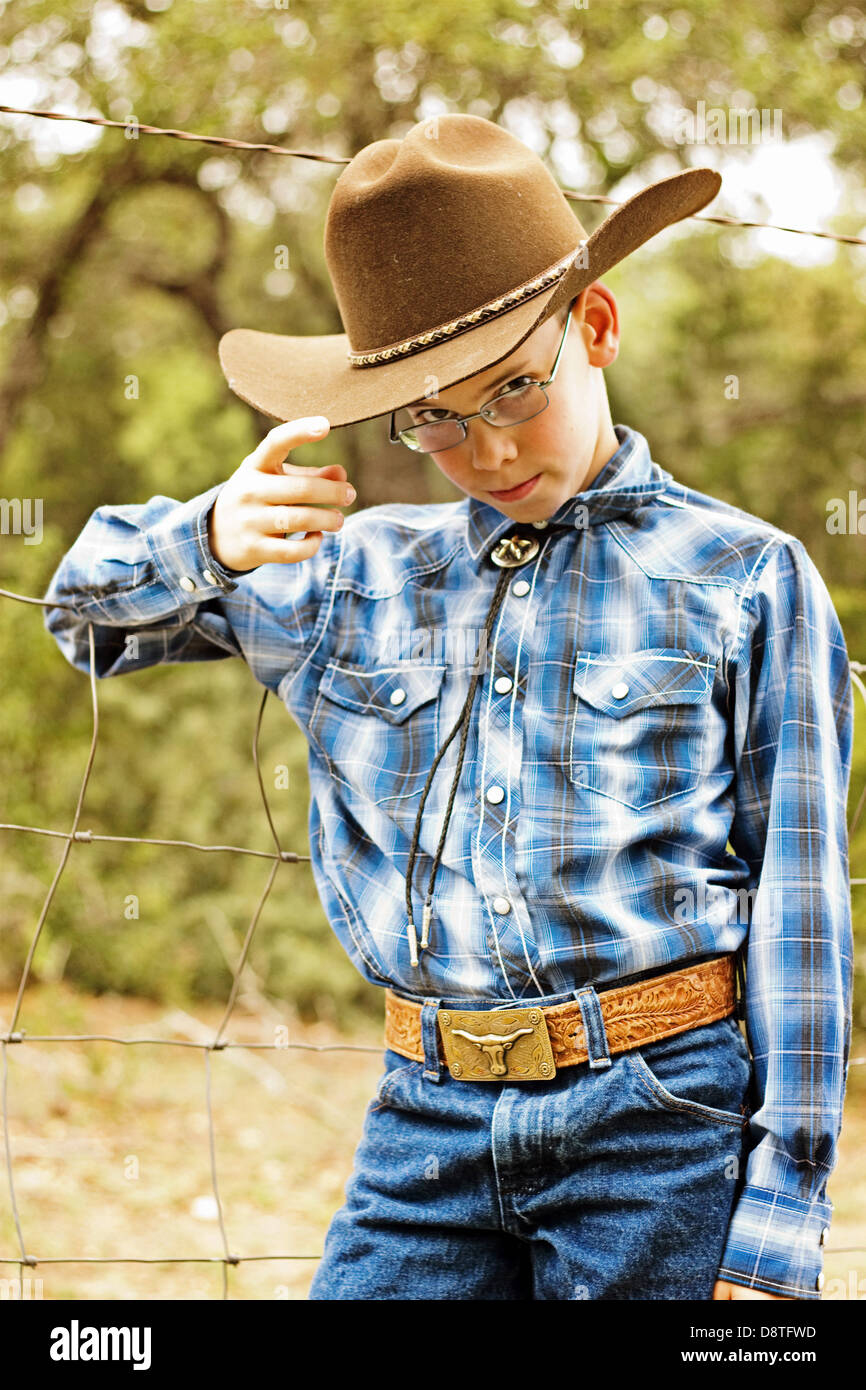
x=15 y=1036
x=133 y=128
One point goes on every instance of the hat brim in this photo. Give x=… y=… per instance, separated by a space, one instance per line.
x=289 y=377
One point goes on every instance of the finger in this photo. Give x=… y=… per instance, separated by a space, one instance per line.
x=288 y=552
x=329 y=470
x=740 y=1291
x=276 y=521
x=300 y=489
x=268 y=456
x=305 y=468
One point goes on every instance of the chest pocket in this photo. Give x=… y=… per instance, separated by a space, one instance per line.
x=378 y=729
x=639 y=732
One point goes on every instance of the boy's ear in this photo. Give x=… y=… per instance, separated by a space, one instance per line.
x=601 y=317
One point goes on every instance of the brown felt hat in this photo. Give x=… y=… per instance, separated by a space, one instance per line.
x=446 y=249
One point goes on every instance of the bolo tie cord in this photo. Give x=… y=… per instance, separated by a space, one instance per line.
x=462 y=721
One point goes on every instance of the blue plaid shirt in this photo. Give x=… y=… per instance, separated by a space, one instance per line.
x=656 y=770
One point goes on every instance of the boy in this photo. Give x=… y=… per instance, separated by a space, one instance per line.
x=651 y=782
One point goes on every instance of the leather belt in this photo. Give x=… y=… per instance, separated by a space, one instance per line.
x=531 y=1043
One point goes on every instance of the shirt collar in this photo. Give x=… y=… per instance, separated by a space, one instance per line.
x=627 y=481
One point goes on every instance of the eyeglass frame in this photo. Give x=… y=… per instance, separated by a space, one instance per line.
x=462 y=419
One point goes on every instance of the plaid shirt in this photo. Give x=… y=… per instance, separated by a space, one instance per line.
x=656 y=770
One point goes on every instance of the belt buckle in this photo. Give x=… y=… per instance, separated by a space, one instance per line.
x=497 y=1044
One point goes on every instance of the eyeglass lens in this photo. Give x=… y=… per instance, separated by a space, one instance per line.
x=510 y=408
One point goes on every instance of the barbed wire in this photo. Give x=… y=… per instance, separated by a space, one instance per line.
x=14 y=1036
x=17 y=1037
x=136 y=126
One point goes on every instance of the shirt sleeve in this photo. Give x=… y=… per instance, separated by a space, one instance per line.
x=144 y=577
x=793 y=731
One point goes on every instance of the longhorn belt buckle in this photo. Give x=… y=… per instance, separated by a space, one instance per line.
x=497 y=1044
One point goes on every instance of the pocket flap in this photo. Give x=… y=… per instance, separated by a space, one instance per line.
x=392 y=692
x=620 y=683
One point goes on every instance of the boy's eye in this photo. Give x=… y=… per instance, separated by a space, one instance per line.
x=516 y=384
x=426 y=414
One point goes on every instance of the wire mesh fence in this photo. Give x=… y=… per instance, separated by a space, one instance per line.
x=13 y=1036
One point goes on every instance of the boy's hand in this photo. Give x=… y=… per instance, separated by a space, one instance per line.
x=267 y=497
x=723 y=1289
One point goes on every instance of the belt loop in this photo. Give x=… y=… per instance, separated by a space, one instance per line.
x=593 y=1027
x=740 y=980
x=430 y=1039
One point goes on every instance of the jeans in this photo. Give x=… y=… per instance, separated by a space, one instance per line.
x=614 y=1180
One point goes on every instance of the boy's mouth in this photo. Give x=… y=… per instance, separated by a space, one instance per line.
x=514 y=494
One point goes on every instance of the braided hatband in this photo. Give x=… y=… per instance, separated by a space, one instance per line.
x=465 y=321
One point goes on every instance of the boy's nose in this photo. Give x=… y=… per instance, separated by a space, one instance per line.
x=492 y=447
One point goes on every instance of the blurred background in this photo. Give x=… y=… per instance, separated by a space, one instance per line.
x=743 y=361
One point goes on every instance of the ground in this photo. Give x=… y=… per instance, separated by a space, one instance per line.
x=111 y=1155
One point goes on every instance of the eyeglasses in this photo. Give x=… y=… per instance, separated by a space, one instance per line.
x=509 y=407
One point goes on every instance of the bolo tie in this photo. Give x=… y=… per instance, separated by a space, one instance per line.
x=518 y=547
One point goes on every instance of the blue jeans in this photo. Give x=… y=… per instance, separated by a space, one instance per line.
x=615 y=1180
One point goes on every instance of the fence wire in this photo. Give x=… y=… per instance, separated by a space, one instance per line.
x=134 y=128
x=75 y=835
x=16 y=1036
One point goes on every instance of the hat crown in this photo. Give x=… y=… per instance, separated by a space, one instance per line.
x=423 y=230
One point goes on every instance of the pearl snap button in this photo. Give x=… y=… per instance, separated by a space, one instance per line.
x=539 y=525
x=187 y=584
x=398 y=696
x=819 y=1282
x=824 y=1234
x=502 y=685
x=501 y=905
x=209 y=577
x=520 y=587
x=619 y=691
x=495 y=795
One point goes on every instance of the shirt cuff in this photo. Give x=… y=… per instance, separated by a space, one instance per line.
x=182 y=554
x=776 y=1243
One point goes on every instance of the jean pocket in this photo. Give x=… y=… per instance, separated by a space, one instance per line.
x=396 y=1067
x=704 y=1072
x=639 y=731
x=377 y=729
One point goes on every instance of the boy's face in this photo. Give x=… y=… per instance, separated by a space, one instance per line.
x=568 y=443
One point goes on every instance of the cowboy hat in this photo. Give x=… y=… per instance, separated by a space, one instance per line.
x=446 y=249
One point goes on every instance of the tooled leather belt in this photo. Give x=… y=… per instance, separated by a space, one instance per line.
x=531 y=1043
